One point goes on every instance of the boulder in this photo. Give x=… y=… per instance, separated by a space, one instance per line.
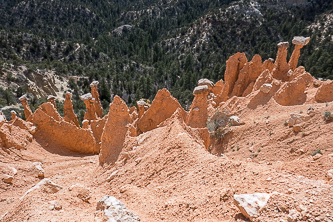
x=291 y=93
x=299 y=42
x=295 y=118
x=325 y=92
x=111 y=209
x=80 y=191
x=206 y=82
x=162 y=107
x=251 y=204
x=281 y=66
x=235 y=121
x=69 y=115
x=27 y=110
x=38 y=169
x=115 y=130
x=265 y=88
x=46 y=185
x=7 y=178
x=198 y=115
x=95 y=95
x=55 y=205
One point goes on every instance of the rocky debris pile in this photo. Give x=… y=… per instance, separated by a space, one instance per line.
x=111 y=209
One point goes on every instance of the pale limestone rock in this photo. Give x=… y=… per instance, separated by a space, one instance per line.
x=330 y=174
x=265 y=88
x=206 y=82
x=251 y=204
x=295 y=118
x=38 y=169
x=111 y=209
x=299 y=42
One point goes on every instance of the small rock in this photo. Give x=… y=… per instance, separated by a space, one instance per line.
x=317 y=156
x=235 y=121
x=54 y=205
x=330 y=174
x=7 y=178
x=297 y=128
x=112 y=176
x=46 y=185
x=250 y=204
x=111 y=209
x=80 y=191
x=265 y=88
x=293 y=215
x=38 y=169
x=124 y=188
x=207 y=82
x=200 y=89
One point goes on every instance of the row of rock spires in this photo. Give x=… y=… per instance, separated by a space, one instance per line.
x=255 y=81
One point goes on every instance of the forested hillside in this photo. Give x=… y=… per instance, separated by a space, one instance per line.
x=135 y=48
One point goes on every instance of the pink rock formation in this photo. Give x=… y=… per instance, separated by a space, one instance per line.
x=69 y=115
x=291 y=93
x=51 y=99
x=14 y=136
x=133 y=113
x=218 y=87
x=16 y=121
x=265 y=77
x=89 y=101
x=234 y=64
x=281 y=66
x=65 y=134
x=141 y=107
x=114 y=132
x=27 y=110
x=248 y=74
x=248 y=90
x=50 y=110
x=95 y=95
x=97 y=127
x=163 y=106
x=198 y=111
x=325 y=92
x=268 y=64
x=85 y=124
x=299 y=42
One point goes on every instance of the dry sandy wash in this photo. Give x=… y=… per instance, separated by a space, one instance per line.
x=254 y=147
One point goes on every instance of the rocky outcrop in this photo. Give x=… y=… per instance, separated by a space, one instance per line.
x=14 y=136
x=325 y=92
x=50 y=110
x=114 y=132
x=89 y=101
x=51 y=99
x=69 y=115
x=251 y=204
x=27 y=110
x=234 y=64
x=16 y=121
x=111 y=209
x=65 y=134
x=281 y=66
x=198 y=111
x=295 y=118
x=265 y=88
x=80 y=191
x=248 y=74
x=265 y=77
x=97 y=127
x=41 y=84
x=291 y=93
x=299 y=42
x=268 y=64
x=218 y=87
x=95 y=95
x=141 y=107
x=163 y=106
